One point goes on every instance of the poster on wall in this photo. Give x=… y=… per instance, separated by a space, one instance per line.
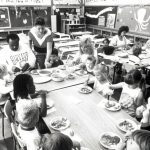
x=44 y=12
x=101 y=20
x=4 y=18
x=96 y=14
x=69 y=2
x=110 y=20
x=136 y=17
x=20 y=16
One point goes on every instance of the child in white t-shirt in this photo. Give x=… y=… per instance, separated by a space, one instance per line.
x=131 y=96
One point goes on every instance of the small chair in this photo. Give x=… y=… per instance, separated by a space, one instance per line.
x=2 y=103
x=18 y=142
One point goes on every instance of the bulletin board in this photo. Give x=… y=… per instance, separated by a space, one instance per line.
x=44 y=12
x=101 y=15
x=4 y=18
x=136 y=17
x=20 y=16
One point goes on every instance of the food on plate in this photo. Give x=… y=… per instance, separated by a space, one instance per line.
x=57 y=77
x=71 y=76
x=62 y=67
x=44 y=72
x=112 y=106
x=110 y=140
x=81 y=72
x=109 y=104
x=86 y=90
x=127 y=125
x=59 y=123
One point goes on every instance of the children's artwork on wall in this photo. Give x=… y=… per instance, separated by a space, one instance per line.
x=136 y=17
x=110 y=20
x=101 y=20
x=97 y=14
x=4 y=18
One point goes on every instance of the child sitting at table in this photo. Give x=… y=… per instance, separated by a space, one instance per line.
x=138 y=140
x=4 y=90
x=86 y=48
x=55 y=61
x=23 y=89
x=28 y=116
x=132 y=95
x=59 y=141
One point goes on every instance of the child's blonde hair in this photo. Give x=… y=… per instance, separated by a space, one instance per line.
x=87 y=44
x=3 y=70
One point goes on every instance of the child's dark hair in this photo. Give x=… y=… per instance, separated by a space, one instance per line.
x=92 y=59
x=54 y=52
x=136 y=50
x=12 y=37
x=20 y=84
x=57 y=141
x=108 y=50
x=135 y=77
x=40 y=21
x=106 y=39
x=123 y=28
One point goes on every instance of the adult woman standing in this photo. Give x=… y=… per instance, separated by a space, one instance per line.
x=41 y=38
x=120 y=41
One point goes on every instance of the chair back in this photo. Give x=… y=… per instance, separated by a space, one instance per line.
x=19 y=144
x=8 y=110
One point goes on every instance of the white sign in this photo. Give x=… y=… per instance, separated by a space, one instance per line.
x=115 y=2
x=69 y=2
x=25 y=2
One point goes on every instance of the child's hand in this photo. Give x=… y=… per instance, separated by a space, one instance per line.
x=76 y=145
x=121 y=146
x=15 y=69
x=47 y=64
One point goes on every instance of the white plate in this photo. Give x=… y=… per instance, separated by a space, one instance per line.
x=34 y=72
x=62 y=67
x=107 y=138
x=44 y=72
x=59 y=123
x=85 y=90
x=39 y=80
x=57 y=77
x=114 y=106
x=81 y=73
x=126 y=125
x=50 y=104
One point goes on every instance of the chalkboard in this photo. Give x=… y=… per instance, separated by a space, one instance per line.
x=136 y=17
x=20 y=16
x=101 y=15
x=44 y=12
x=4 y=18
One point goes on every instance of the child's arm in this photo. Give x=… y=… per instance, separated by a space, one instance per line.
x=5 y=90
x=43 y=110
x=140 y=99
x=116 y=86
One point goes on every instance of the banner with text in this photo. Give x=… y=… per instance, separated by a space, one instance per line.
x=25 y=2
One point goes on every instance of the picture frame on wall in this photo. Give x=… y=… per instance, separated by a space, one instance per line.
x=4 y=18
x=110 y=20
x=101 y=20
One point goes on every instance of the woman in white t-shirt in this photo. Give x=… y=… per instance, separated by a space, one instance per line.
x=119 y=40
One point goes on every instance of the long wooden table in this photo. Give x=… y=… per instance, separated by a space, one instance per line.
x=88 y=119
